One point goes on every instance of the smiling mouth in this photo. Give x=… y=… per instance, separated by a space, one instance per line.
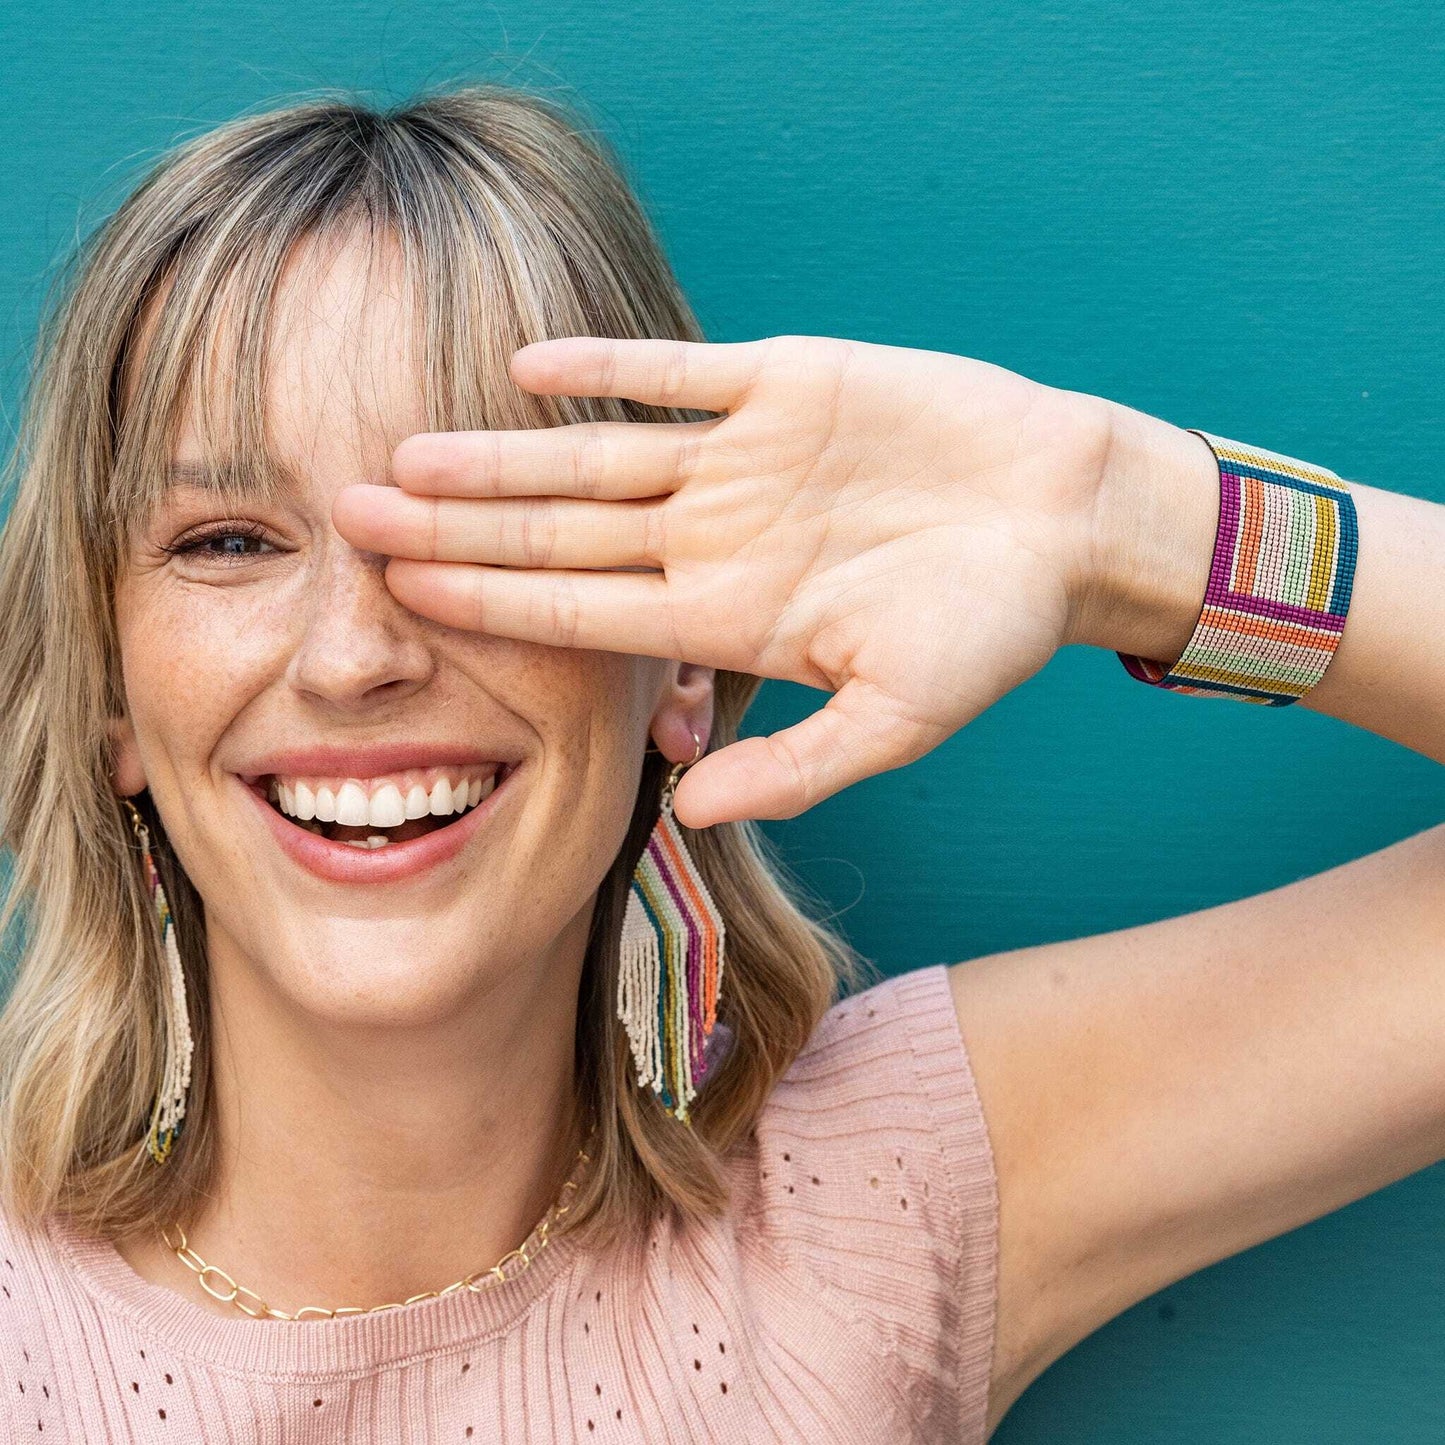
x=371 y=813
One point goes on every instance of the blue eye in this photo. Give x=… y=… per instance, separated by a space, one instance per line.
x=231 y=542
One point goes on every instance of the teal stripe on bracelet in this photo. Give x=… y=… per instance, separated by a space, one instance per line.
x=1280 y=582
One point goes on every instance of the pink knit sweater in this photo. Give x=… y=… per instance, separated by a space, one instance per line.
x=847 y=1296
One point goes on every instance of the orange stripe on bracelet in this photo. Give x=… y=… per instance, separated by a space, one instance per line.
x=1279 y=583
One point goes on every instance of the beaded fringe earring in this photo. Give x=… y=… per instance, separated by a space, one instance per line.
x=170 y=1104
x=671 y=964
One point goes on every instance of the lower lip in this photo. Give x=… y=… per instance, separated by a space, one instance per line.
x=342 y=863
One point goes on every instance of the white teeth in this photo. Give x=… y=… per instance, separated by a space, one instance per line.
x=351 y=809
x=376 y=840
x=387 y=808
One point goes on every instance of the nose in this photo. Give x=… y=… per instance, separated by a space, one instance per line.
x=359 y=646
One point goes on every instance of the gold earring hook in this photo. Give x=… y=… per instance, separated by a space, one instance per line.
x=678 y=769
x=137 y=823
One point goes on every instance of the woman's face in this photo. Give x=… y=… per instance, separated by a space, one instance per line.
x=268 y=671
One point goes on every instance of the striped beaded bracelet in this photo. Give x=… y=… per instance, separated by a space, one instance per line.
x=1279 y=583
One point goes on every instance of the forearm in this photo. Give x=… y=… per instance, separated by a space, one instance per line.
x=1154 y=528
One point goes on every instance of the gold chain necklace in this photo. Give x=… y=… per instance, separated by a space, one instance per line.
x=250 y=1303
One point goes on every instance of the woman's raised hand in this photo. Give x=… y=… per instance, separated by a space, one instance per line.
x=913 y=531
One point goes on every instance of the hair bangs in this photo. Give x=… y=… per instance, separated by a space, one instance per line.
x=483 y=268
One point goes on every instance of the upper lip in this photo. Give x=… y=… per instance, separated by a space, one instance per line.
x=371 y=760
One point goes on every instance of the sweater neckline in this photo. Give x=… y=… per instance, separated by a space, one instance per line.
x=314 y=1348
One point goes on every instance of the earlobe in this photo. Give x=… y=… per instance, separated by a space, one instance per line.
x=685 y=711
x=127 y=775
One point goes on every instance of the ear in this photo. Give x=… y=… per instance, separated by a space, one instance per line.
x=684 y=708
x=127 y=775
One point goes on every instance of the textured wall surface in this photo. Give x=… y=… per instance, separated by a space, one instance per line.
x=1228 y=214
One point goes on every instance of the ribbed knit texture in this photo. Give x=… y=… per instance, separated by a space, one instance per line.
x=849 y=1295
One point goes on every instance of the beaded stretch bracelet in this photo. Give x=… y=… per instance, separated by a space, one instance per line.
x=1279 y=583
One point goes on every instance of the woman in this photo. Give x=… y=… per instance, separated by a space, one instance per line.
x=398 y=1051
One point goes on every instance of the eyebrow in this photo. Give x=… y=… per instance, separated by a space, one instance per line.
x=193 y=474
x=227 y=476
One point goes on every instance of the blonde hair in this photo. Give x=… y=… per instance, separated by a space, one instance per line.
x=514 y=224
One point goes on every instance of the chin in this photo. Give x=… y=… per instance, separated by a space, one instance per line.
x=394 y=973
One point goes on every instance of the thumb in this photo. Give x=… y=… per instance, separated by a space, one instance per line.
x=860 y=731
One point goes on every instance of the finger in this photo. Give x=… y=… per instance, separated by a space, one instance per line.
x=530 y=532
x=596 y=459
x=606 y=611
x=714 y=376
x=858 y=733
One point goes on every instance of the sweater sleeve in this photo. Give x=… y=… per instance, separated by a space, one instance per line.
x=877 y=1175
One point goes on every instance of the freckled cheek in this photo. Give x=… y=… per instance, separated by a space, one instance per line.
x=590 y=712
x=189 y=669
x=589 y=704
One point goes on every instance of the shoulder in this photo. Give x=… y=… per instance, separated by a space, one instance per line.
x=887 y=1071
x=32 y=1300
x=886 y=1079
x=875 y=1171
x=26 y=1261
x=31 y=1266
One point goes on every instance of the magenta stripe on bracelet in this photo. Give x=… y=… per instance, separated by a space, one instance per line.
x=1280 y=582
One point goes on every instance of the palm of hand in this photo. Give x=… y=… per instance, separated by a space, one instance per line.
x=902 y=528
x=896 y=528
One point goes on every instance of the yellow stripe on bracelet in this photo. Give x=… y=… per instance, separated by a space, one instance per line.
x=1279 y=582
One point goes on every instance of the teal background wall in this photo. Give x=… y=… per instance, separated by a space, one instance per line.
x=1228 y=214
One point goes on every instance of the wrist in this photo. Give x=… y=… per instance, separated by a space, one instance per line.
x=1151 y=538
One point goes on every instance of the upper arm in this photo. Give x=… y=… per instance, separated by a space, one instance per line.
x=1165 y=1096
